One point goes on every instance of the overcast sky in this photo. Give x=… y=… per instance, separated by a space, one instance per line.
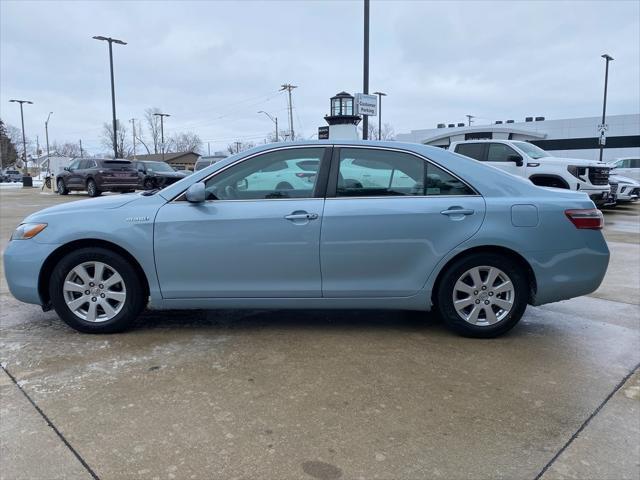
x=213 y=65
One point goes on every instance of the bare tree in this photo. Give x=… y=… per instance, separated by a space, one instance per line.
x=15 y=134
x=8 y=152
x=153 y=125
x=122 y=139
x=237 y=147
x=184 y=142
x=388 y=133
x=67 y=149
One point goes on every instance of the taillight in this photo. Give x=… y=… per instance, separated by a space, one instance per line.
x=588 y=218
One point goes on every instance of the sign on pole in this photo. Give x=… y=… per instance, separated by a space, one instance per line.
x=323 y=133
x=366 y=104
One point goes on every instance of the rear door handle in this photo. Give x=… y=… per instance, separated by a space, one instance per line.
x=301 y=216
x=458 y=211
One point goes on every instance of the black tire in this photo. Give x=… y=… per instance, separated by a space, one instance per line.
x=149 y=184
x=92 y=188
x=284 y=186
x=455 y=271
x=62 y=188
x=133 y=304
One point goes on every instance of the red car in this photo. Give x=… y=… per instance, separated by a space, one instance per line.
x=96 y=175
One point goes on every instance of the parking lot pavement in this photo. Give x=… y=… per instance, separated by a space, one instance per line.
x=328 y=395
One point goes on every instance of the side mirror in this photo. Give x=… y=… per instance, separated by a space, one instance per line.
x=242 y=184
x=67 y=169
x=517 y=159
x=196 y=193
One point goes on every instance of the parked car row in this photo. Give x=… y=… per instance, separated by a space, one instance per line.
x=96 y=175
x=606 y=183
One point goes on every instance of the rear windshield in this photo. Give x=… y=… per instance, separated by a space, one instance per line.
x=201 y=165
x=116 y=164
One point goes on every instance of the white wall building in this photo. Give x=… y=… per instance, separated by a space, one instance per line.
x=571 y=137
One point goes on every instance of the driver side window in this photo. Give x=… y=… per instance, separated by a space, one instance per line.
x=272 y=175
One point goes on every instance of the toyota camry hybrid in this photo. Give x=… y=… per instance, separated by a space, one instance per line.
x=325 y=224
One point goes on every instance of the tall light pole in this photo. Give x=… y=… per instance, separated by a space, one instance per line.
x=288 y=87
x=46 y=132
x=380 y=95
x=24 y=139
x=469 y=119
x=365 y=73
x=113 y=89
x=133 y=123
x=607 y=58
x=162 y=115
x=274 y=120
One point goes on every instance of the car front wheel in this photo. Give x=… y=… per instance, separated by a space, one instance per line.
x=95 y=290
x=62 y=188
x=483 y=295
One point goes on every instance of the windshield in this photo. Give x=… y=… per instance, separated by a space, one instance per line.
x=531 y=150
x=158 y=167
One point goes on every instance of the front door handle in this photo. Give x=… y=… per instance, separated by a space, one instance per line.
x=458 y=211
x=301 y=216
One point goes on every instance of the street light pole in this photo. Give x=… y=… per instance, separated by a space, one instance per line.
x=46 y=131
x=365 y=73
x=607 y=58
x=274 y=120
x=162 y=115
x=24 y=138
x=380 y=95
x=113 y=90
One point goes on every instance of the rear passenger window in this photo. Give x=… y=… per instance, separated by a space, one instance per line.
x=499 y=152
x=381 y=173
x=472 y=150
x=634 y=163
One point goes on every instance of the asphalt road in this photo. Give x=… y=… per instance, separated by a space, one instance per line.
x=325 y=395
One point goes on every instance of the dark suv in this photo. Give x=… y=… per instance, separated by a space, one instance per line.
x=156 y=174
x=96 y=175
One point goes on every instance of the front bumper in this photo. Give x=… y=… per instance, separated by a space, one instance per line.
x=603 y=199
x=23 y=261
x=628 y=193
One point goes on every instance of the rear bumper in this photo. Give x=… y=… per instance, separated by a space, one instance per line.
x=23 y=260
x=561 y=275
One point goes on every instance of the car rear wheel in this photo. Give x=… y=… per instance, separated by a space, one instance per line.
x=149 y=184
x=483 y=295
x=92 y=188
x=95 y=290
x=62 y=188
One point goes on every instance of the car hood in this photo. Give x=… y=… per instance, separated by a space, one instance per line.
x=101 y=203
x=621 y=179
x=580 y=162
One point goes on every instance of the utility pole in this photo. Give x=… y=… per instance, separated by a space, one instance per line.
x=133 y=122
x=81 y=151
x=607 y=58
x=288 y=87
x=380 y=95
x=274 y=120
x=469 y=119
x=162 y=115
x=113 y=90
x=365 y=73
x=209 y=148
x=37 y=146
x=24 y=138
x=46 y=131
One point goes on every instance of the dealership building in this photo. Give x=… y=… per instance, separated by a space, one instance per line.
x=571 y=137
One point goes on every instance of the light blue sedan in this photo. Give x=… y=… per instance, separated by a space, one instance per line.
x=372 y=225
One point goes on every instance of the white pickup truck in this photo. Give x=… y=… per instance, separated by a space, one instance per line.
x=526 y=160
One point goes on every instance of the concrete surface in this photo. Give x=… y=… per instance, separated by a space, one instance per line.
x=329 y=395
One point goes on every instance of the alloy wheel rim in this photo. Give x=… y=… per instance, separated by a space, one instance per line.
x=94 y=292
x=483 y=296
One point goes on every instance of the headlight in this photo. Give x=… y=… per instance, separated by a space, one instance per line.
x=577 y=172
x=28 y=230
